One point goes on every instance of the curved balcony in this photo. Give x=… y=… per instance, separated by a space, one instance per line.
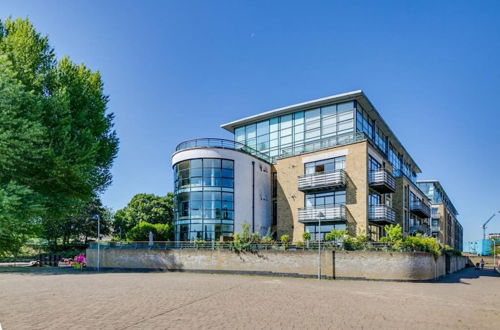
x=221 y=143
x=327 y=213
x=382 y=214
x=321 y=181
x=382 y=181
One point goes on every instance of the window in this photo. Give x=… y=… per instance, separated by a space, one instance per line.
x=302 y=131
x=327 y=199
x=373 y=164
x=326 y=227
x=327 y=165
x=203 y=198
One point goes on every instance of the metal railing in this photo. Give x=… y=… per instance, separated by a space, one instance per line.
x=322 y=180
x=381 y=213
x=215 y=245
x=417 y=206
x=436 y=216
x=221 y=143
x=420 y=228
x=329 y=213
x=320 y=144
x=382 y=179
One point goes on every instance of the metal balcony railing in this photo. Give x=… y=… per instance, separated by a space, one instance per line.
x=382 y=181
x=221 y=143
x=420 y=229
x=418 y=207
x=436 y=216
x=382 y=214
x=327 y=213
x=322 y=180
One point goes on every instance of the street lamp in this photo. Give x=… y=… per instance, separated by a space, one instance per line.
x=494 y=253
x=320 y=215
x=98 y=218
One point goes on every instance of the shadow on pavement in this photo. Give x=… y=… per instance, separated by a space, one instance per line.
x=467 y=273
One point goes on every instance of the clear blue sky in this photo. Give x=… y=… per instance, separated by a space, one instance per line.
x=176 y=70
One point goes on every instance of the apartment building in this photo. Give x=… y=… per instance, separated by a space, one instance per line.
x=445 y=225
x=329 y=163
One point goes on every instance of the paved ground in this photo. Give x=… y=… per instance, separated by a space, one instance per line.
x=41 y=299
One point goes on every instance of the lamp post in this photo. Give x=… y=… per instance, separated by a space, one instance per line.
x=98 y=218
x=494 y=254
x=320 y=215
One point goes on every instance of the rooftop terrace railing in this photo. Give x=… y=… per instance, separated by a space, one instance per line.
x=221 y=143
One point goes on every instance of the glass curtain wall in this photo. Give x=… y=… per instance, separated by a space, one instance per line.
x=301 y=131
x=368 y=126
x=203 y=199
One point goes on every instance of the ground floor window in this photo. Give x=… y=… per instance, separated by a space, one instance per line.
x=326 y=226
x=375 y=232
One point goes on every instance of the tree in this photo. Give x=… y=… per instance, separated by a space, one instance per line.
x=145 y=208
x=57 y=142
x=140 y=232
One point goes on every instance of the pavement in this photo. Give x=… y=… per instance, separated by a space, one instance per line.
x=67 y=299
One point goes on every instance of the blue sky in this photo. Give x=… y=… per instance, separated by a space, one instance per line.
x=176 y=70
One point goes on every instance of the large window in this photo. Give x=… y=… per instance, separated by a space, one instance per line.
x=314 y=229
x=326 y=199
x=325 y=166
x=203 y=199
x=301 y=131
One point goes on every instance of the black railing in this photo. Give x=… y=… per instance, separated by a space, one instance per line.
x=221 y=143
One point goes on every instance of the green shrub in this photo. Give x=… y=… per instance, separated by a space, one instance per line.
x=335 y=235
x=244 y=241
x=451 y=251
x=306 y=236
x=299 y=244
x=140 y=232
x=355 y=243
x=285 y=240
x=422 y=243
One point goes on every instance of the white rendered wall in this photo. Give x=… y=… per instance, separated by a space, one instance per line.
x=242 y=185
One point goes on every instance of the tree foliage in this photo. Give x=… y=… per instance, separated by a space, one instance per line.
x=140 y=232
x=57 y=142
x=148 y=208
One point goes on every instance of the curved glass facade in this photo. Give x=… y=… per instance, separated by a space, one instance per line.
x=204 y=199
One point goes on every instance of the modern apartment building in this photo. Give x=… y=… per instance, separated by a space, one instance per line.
x=332 y=160
x=445 y=226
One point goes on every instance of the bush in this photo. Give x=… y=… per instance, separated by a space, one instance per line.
x=451 y=251
x=285 y=240
x=244 y=241
x=355 y=243
x=306 y=236
x=140 y=232
x=299 y=244
x=335 y=235
x=422 y=243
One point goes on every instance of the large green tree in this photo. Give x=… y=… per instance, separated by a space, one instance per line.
x=57 y=142
x=148 y=208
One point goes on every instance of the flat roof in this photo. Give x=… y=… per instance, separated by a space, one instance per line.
x=357 y=95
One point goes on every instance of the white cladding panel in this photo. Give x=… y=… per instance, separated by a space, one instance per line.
x=243 y=185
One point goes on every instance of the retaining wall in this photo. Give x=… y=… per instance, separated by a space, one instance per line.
x=373 y=265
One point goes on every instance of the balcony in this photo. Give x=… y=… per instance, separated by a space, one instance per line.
x=382 y=214
x=420 y=209
x=321 y=181
x=382 y=181
x=436 y=216
x=328 y=213
x=422 y=229
x=223 y=144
